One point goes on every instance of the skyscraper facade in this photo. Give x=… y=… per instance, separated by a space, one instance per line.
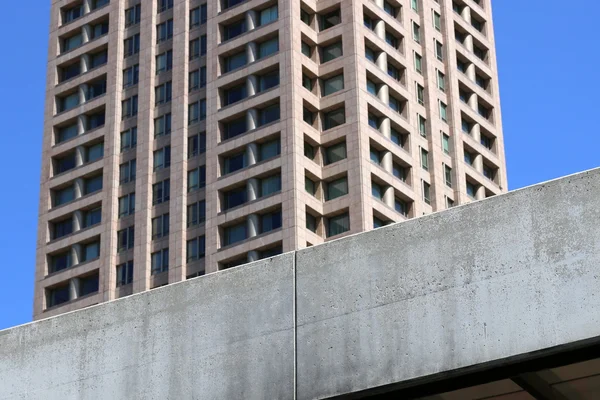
x=183 y=137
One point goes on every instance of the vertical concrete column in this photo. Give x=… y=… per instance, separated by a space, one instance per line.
x=87 y=7
x=466 y=14
x=84 y=63
x=381 y=61
x=384 y=93
x=251 y=52
x=83 y=91
x=478 y=163
x=253 y=227
x=251 y=119
x=253 y=189
x=252 y=154
x=73 y=288
x=469 y=42
x=480 y=194
x=79 y=156
x=380 y=29
x=388 y=196
x=75 y=254
x=86 y=33
x=252 y=256
x=476 y=132
x=471 y=72
x=79 y=187
x=77 y=221
x=81 y=124
x=251 y=20
x=251 y=85
x=387 y=162
x=386 y=127
x=473 y=101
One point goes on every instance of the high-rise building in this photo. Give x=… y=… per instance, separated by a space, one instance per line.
x=184 y=137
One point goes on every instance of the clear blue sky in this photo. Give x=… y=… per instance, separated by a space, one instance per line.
x=548 y=61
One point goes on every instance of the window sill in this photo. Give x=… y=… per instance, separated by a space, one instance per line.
x=87 y=228
x=248 y=168
x=248 y=203
x=248 y=98
x=70 y=301
x=247 y=240
x=51 y=274
x=79 y=75
x=78 y=136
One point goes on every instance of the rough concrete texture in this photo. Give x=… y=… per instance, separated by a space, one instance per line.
x=499 y=278
x=224 y=336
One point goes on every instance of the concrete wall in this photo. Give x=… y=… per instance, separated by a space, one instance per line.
x=507 y=276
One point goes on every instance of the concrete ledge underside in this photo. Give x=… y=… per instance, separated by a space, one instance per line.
x=453 y=291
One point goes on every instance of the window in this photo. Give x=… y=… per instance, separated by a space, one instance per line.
x=270 y=185
x=98 y=59
x=125 y=273
x=164 y=5
x=466 y=126
x=127 y=205
x=449 y=202
x=335 y=153
x=160 y=226
x=376 y=191
x=161 y=191
x=448 y=175
x=129 y=139
x=330 y=19
x=439 y=50
x=68 y=102
x=72 y=42
x=268 y=47
x=395 y=104
x=396 y=137
x=486 y=142
x=62 y=228
x=311 y=223
x=234 y=128
x=94 y=152
x=125 y=239
x=268 y=115
x=197 y=144
x=197 y=178
x=131 y=76
x=64 y=164
x=127 y=172
x=98 y=3
x=234 y=197
x=400 y=172
x=197 y=79
x=91 y=251
x=234 y=234
x=308 y=116
x=92 y=217
x=445 y=143
x=133 y=15
x=58 y=295
x=63 y=196
x=234 y=61
x=401 y=207
x=443 y=112
x=230 y=3
x=197 y=111
x=59 y=261
x=164 y=62
x=234 y=94
x=267 y=15
x=338 y=224
x=198 y=47
x=437 y=21
x=336 y=188
x=441 y=81
x=270 y=221
x=309 y=151
x=372 y=87
x=390 y=9
x=234 y=162
x=131 y=45
x=416 y=29
x=71 y=14
x=377 y=223
x=162 y=125
x=196 y=249
x=198 y=16
x=469 y=158
x=162 y=158
x=269 y=149
x=163 y=93
x=196 y=213
x=422 y=125
x=66 y=133
x=420 y=94
x=310 y=186
x=164 y=31
x=159 y=261
x=392 y=40
x=471 y=190
x=414 y=4
x=234 y=29
x=129 y=107
x=333 y=84
x=418 y=63
x=426 y=192
x=334 y=118
x=489 y=172
x=93 y=184
x=268 y=80
x=332 y=52
x=88 y=284
x=424 y=159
